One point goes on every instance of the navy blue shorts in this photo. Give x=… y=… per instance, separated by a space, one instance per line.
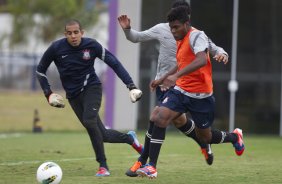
x=160 y=94
x=201 y=110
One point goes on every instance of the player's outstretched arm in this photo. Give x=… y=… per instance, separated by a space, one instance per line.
x=134 y=93
x=124 y=22
x=53 y=99
x=218 y=53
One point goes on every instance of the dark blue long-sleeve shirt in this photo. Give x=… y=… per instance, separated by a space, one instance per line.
x=76 y=65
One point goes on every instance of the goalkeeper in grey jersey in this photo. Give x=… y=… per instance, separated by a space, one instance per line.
x=167 y=61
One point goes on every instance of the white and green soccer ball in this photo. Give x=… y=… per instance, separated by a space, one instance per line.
x=49 y=173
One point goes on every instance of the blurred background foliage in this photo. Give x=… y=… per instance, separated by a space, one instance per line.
x=48 y=17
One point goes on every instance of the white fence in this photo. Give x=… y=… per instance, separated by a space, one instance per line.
x=17 y=71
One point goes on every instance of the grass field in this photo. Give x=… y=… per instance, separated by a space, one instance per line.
x=65 y=142
x=17 y=113
x=180 y=160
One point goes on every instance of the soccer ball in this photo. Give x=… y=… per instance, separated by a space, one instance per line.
x=49 y=172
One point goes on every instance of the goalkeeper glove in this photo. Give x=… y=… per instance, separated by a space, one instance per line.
x=134 y=93
x=56 y=100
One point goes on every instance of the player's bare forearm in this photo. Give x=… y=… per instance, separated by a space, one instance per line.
x=171 y=72
x=199 y=61
x=169 y=82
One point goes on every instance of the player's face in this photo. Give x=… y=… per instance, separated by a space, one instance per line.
x=178 y=29
x=73 y=34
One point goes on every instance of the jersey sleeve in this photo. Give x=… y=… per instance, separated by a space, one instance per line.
x=114 y=63
x=141 y=36
x=41 y=69
x=214 y=49
x=199 y=41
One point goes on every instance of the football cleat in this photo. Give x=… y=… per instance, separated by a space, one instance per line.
x=207 y=152
x=147 y=171
x=131 y=172
x=239 y=145
x=136 y=145
x=102 y=172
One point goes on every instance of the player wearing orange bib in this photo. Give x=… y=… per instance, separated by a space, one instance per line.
x=199 y=81
x=190 y=90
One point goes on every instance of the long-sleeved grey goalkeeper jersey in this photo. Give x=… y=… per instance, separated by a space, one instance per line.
x=167 y=51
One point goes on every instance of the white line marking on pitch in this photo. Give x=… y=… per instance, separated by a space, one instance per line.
x=63 y=160
x=10 y=135
x=41 y=161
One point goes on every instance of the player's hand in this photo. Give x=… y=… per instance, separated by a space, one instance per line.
x=221 y=58
x=124 y=22
x=56 y=100
x=164 y=88
x=168 y=82
x=154 y=84
x=135 y=94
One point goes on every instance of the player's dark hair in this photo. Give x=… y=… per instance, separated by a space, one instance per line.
x=72 y=22
x=178 y=3
x=179 y=13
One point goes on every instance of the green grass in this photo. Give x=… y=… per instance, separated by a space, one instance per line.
x=17 y=113
x=180 y=160
x=65 y=142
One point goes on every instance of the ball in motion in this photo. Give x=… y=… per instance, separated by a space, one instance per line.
x=49 y=173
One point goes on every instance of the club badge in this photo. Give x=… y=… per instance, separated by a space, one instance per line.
x=165 y=100
x=86 y=54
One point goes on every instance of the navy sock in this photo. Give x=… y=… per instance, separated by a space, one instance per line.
x=189 y=130
x=113 y=136
x=158 y=136
x=145 y=154
x=219 y=137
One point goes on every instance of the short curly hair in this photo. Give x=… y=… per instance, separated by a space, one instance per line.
x=178 y=3
x=179 y=13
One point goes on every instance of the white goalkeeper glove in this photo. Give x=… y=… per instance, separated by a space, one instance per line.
x=134 y=93
x=56 y=100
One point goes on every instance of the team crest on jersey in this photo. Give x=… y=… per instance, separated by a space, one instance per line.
x=165 y=100
x=86 y=54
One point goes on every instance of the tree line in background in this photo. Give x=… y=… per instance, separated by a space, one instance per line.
x=48 y=17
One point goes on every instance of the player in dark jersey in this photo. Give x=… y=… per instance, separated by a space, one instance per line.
x=74 y=58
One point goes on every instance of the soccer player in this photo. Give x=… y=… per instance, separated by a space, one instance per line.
x=166 y=61
x=190 y=89
x=74 y=58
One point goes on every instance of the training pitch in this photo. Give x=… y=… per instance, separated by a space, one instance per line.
x=180 y=160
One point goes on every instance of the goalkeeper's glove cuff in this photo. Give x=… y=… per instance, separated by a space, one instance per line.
x=47 y=93
x=131 y=86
